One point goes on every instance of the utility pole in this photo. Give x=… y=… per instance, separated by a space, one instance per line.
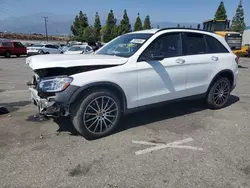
x=46 y=30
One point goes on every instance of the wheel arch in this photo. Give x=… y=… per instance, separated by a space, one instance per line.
x=101 y=85
x=224 y=73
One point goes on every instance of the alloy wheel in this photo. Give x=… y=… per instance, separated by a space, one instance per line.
x=100 y=115
x=221 y=92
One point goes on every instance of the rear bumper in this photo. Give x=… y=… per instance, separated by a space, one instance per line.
x=32 y=53
x=55 y=106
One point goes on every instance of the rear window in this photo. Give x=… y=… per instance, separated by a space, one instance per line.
x=214 y=46
x=6 y=44
x=194 y=44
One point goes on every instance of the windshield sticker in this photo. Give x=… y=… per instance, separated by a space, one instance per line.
x=138 y=41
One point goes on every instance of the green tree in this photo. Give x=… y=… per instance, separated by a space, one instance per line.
x=178 y=25
x=238 y=23
x=75 y=26
x=89 y=34
x=78 y=26
x=221 y=13
x=116 y=31
x=138 y=23
x=125 y=26
x=110 y=23
x=147 y=23
x=97 y=27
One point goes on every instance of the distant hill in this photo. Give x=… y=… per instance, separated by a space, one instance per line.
x=58 y=24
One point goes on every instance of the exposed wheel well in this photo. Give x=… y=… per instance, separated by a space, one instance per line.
x=108 y=86
x=226 y=73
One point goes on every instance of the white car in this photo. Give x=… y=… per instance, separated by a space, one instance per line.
x=160 y=65
x=79 y=49
x=43 y=49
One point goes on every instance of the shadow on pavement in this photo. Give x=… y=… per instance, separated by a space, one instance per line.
x=148 y=116
x=14 y=106
x=167 y=111
x=242 y=67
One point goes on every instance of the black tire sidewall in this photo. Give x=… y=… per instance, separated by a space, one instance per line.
x=210 y=99
x=7 y=54
x=78 y=112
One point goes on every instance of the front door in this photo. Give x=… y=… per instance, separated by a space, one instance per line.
x=162 y=70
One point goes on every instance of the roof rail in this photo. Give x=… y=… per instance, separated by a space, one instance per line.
x=181 y=28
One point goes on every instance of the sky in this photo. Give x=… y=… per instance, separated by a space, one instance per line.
x=192 y=11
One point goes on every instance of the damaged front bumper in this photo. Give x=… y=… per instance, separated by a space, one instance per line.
x=54 y=106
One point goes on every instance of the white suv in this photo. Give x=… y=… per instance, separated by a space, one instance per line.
x=134 y=70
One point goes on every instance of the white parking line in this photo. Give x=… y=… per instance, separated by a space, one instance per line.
x=158 y=146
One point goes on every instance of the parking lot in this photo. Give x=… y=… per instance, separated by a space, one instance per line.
x=177 y=145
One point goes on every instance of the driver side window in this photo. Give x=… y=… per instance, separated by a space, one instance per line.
x=167 y=45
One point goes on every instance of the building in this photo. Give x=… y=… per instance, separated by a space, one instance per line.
x=246 y=36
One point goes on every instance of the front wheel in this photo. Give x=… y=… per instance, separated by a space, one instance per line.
x=97 y=115
x=219 y=93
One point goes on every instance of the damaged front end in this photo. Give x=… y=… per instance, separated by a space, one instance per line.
x=51 y=90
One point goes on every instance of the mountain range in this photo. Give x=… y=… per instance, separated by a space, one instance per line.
x=60 y=24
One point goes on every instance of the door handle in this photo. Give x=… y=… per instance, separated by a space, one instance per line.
x=180 y=61
x=215 y=58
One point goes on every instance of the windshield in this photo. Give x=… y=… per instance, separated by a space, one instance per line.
x=125 y=45
x=37 y=45
x=76 y=48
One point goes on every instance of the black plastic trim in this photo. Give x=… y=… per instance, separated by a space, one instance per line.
x=66 y=95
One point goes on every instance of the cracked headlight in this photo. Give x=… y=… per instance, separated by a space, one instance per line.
x=55 y=84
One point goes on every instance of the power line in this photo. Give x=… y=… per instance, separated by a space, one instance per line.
x=46 y=29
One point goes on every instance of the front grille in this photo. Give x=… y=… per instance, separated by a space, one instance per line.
x=234 y=42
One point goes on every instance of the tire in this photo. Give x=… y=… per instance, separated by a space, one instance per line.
x=85 y=118
x=7 y=54
x=18 y=55
x=217 y=96
x=46 y=52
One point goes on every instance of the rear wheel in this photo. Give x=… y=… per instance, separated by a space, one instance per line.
x=18 y=55
x=97 y=115
x=7 y=54
x=46 y=52
x=219 y=93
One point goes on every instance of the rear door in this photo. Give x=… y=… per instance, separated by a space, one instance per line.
x=19 y=48
x=201 y=57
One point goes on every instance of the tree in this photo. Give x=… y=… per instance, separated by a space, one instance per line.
x=116 y=31
x=97 y=27
x=110 y=23
x=238 y=23
x=191 y=26
x=75 y=26
x=158 y=27
x=147 y=23
x=221 y=13
x=138 y=23
x=178 y=25
x=89 y=34
x=125 y=26
x=78 y=26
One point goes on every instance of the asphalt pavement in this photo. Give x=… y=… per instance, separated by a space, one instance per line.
x=174 y=146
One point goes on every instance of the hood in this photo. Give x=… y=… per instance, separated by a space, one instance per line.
x=64 y=60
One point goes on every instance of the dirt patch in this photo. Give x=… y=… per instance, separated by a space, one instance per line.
x=79 y=170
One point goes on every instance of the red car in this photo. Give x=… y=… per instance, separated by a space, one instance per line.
x=8 y=48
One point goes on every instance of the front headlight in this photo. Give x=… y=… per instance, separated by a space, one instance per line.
x=55 y=84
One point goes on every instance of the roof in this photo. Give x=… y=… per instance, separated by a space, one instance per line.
x=151 y=31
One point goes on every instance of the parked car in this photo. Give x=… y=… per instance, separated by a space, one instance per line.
x=159 y=65
x=79 y=49
x=8 y=48
x=36 y=49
